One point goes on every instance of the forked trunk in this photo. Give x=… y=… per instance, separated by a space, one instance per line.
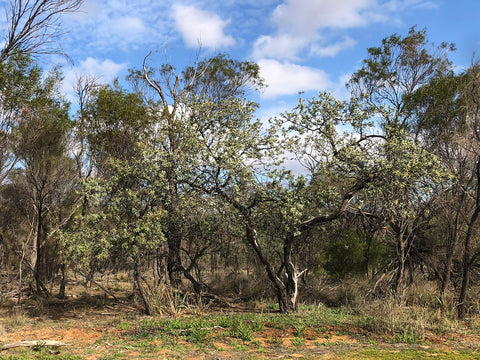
x=286 y=288
x=286 y=303
x=287 y=295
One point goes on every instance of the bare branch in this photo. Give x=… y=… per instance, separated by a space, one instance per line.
x=33 y=26
x=33 y=343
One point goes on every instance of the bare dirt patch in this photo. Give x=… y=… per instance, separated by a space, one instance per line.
x=73 y=334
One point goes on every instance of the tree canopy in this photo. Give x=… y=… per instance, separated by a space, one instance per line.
x=172 y=179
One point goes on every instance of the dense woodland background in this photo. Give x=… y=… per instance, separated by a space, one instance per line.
x=174 y=181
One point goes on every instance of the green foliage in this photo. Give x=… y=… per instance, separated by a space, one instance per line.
x=243 y=332
x=222 y=78
x=408 y=336
x=350 y=252
x=196 y=335
x=393 y=71
x=19 y=82
x=298 y=341
x=438 y=109
x=118 y=122
x=125 y=216
x=41 y=353
x=189 y=172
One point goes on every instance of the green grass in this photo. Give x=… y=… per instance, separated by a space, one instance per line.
x=260 y=334
x=408 y=336
x=298 y=341
x=411 y=354
x=40 y=354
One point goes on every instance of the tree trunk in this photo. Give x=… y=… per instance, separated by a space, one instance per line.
x=174 y=260
x=287 y=290
x=61 y=291
x=454 y=238
x=38 y=270
x=143 y=297
x=286 y=303
x=400 y=265
x=461 y=305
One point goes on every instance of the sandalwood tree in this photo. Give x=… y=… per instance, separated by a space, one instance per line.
x=170 y=94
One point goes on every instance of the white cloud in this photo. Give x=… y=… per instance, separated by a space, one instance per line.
x=305 y=17
x=87 y=10
x=200 y=27
x=334 y=49
x=305 y=24
x=274 y=109
x=105 y=71
x=283 y=46
x=400 y=5
x=284 y=78
x=127 y=25
x=104 y=25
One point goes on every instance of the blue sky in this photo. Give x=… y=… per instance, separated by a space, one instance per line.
x=300 y=45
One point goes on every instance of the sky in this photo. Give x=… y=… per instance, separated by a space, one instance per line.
x=300 y=45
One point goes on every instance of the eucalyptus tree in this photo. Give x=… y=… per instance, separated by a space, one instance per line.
x=439 y=108
x=115 y=123
x=29 y=106
x=470 y=143
x=18 y=83
x=449 y=111
x=392 y=73
x=45 y=173
x=385 y=83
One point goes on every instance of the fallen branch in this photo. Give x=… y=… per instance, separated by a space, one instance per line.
x=100 y=286
x=33 y=343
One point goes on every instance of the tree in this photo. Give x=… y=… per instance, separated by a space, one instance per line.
x=394 y=71
x=46 y=173
x=117 y=122
x=339 y=168
x=447 y=112
x=387 y=80
x=18 y=84
x=33 y=26
x=469 y=140
x=232 y=150
x=219 y=78
x=123 y=225
x=439 y=109
x=121 y=221
x=215 y=79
